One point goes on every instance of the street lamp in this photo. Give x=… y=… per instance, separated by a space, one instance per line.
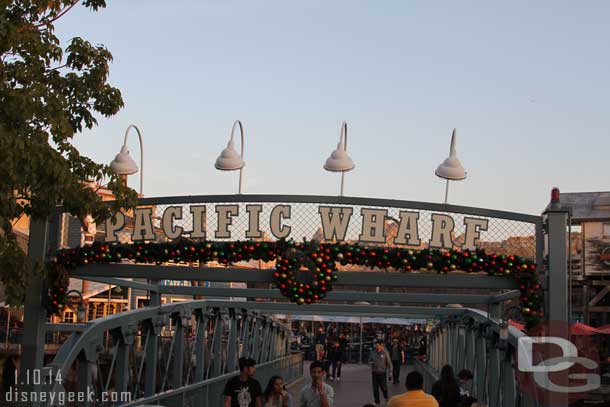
x=80 y=314
x=451 y=169
x=124 y=165
x=339 y=161
x=229 y=159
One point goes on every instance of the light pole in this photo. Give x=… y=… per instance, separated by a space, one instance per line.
x=229 y=159
x=124 y=165
x=339 y=161
x=451 y=169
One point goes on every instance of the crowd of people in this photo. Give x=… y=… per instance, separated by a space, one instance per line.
x=449 y=391
x=386 y=358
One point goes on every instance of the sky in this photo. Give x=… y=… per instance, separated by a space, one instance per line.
x=525 y=83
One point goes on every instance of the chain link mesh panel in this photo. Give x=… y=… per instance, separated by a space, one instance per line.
x=503 y=235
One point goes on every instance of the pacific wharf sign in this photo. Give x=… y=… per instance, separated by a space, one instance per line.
x=334 y=222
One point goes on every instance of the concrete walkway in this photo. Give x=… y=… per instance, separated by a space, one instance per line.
x=355 y=388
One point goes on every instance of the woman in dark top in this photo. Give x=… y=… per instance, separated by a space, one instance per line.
x=446 y=390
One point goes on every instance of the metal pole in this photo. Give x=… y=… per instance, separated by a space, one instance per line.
x=8 y=325
x=342 y=182
x=557 y=218
x=447 y=191
x=35 y=315
x=360 y=339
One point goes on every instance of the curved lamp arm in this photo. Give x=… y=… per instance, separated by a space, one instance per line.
x=343 y=136
x=241 y=131
x=141 y=154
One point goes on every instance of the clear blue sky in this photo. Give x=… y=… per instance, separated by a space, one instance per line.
x=527 y=85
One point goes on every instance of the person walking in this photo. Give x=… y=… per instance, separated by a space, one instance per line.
x=446 y=390
x=414 y=396
x=380 y=365
x=275 y=395
x=317 y=393
x=243 y=390
x=397 y=354
x=338 y=356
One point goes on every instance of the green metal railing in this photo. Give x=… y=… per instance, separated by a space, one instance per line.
x=161 y=349
x=209 y=392
x=472 y=341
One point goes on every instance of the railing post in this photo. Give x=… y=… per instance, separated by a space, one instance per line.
x=273 y=342
x=479 y=372
x=470 y=348
x=85 y=378
x=216 y=346
x=509 y=396
x=460 y=347
x=254 y=345
x=454 y=344
x=245 y=335
x=493 y=375
x=449 y=356
x=262 y=356
x=178 y=357
x=200 y=345
x=123 y=338
x=153 y=328
x=436 y=348
x=260 y=345
x=231 y=364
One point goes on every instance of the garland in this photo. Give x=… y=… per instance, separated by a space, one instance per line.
x=319 y=259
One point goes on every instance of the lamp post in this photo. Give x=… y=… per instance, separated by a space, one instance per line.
x=124 y=165
x=229 y=159
x=451 y=169
x=339 y=161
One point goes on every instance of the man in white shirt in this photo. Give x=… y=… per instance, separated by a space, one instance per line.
x=317 y=393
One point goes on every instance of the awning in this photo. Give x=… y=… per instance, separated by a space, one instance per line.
x=578 y=329
x=354 y=320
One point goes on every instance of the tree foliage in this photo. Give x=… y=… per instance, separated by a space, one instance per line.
x=48 y=94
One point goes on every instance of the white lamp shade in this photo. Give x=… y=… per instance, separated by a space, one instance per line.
x=339 y=160
x=229 y=159
x=451 y=168
x=123 y=164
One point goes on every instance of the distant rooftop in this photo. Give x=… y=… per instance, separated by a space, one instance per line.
x=587 y=206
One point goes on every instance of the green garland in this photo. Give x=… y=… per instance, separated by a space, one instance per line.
x=320 y=259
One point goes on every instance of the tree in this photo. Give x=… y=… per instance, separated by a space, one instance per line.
x=47 y=96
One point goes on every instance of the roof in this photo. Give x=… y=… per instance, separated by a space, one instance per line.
x=587 y=206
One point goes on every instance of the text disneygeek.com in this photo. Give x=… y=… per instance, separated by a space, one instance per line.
x=64 y=398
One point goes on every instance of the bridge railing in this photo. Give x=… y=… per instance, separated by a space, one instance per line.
x=210 y=392
x=125 y=356
x=473 y=341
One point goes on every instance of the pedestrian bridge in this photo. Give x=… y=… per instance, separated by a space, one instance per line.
x=125 y=354
x=429 y=257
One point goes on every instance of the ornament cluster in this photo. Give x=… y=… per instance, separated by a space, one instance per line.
x=318 y=261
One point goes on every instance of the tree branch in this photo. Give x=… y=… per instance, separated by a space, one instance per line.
x=58 y=16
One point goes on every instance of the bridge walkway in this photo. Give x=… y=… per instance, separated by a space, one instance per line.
x=355 y=388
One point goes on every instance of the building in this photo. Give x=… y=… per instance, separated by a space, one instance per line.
x=589 y=255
